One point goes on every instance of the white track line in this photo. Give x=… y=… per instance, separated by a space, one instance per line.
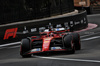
x=89 y=35
x=10 y=44
x=13 y=47
x=67 y=59
x=91 y=38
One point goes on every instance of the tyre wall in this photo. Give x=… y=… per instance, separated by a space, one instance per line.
x=16 y=31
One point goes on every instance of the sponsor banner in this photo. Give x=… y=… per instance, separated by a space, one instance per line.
x=16 y=32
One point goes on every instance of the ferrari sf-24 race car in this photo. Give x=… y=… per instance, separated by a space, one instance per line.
x=50 y=40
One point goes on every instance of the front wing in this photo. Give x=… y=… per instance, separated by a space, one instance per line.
x=39 y=50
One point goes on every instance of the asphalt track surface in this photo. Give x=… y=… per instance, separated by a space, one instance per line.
x=89 y=55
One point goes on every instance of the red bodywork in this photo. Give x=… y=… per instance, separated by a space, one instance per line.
x=47 y=39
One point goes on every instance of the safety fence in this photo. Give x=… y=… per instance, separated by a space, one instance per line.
x=21 y=10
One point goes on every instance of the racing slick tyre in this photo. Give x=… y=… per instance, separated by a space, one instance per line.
x=25 y=46
x=68 y=43
x=76 y=39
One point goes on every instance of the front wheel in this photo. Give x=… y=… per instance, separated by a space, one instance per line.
x=25 y=47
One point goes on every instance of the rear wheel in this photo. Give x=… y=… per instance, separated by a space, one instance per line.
x=25 y=47
x=72 y=51
x=68 y=43
x=76 y=39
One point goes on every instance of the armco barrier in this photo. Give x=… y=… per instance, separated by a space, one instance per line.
x=16 y=31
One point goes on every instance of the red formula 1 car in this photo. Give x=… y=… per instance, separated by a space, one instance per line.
x=50 y=40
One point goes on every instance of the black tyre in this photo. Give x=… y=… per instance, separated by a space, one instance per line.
x=73 y=50
x=68 y=43
x=25 y=46
x=76 y=39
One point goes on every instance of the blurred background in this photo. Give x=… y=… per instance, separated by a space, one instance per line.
x=92 y=6
x=21 y=10
x=18 y=10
